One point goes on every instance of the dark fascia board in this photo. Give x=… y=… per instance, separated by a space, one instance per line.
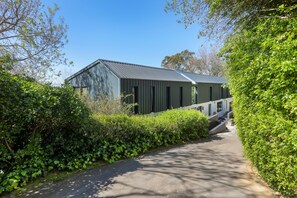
x=89 y=67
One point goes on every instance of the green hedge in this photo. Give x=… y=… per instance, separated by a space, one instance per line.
x=262 y=66
x=122 y=136
x=45 y=128
x=40 y=126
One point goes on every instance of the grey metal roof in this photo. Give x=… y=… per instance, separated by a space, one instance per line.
x=199 y=78
x=133 y=71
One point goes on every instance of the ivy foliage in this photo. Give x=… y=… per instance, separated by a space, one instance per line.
x=262 y=66
x=39 y=125
x=43 y=128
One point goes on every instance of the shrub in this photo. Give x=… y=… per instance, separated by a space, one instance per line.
x=45 y=128
x=108 y=106
x=127 y=136
x=188 y=123
x=262 y=66
x=39 y=125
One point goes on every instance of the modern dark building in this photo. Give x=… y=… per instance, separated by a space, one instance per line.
x=208 y=93
x=152 y=89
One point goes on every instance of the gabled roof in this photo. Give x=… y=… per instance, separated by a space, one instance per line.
x=133 y=71
x=83 y=70
x=199 y=78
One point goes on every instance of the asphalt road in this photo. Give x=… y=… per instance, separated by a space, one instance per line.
x=213 y=167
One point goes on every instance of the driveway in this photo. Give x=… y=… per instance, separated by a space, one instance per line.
x=213 y=167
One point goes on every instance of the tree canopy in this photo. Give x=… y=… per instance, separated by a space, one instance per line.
x=204 y=62
x=184 y=61
x=31 y=36
x=221 y=17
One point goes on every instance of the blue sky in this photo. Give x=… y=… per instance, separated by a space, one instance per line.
x=134 y=31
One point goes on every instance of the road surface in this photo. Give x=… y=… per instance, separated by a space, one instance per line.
x=213 y=167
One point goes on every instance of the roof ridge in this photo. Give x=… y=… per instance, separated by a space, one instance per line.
x=132 y=64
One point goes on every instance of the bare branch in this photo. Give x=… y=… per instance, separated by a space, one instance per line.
x=31 y=35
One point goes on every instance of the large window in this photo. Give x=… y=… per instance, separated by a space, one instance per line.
x=219 y=106
x=81 y=91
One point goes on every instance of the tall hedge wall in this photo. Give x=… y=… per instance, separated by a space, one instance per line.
x=262 y=64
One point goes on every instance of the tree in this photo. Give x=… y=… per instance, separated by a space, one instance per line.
x=184 y=61
x=207 y=62
x=210 y=62
x=31 y=36
x=219 y=18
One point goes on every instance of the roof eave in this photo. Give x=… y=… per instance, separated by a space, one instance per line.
x=83 y=70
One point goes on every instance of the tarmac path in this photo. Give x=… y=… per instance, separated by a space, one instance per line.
x=213 y=167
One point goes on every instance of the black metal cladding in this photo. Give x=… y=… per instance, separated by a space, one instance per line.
x=204 y=90
x=145 y=104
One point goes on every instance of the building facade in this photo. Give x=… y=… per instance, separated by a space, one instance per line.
x=152 y=89
x=209 y=94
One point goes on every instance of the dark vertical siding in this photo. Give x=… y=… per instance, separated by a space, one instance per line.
x=204 y=94
x=144 y=89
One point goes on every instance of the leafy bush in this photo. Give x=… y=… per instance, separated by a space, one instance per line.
x=45 y=128
x=125 y=136
x=271 y=144
x=40 y=126
x=262 y=66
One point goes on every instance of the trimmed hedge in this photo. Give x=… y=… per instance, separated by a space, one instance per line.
x=45 y=128
x=122 y=136
x=262 y=66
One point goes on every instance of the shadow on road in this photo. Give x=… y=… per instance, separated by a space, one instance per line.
x=200 y=169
